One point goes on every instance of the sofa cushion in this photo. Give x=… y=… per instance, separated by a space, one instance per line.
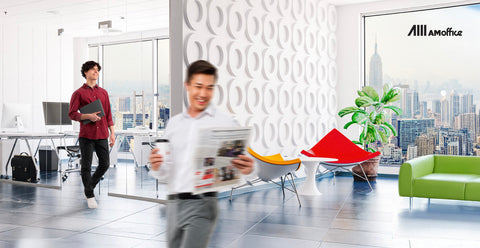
x=442 y=185
x=457 y=164
x=472 y=190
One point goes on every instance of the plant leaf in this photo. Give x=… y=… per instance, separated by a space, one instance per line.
x=379 y=119
x=392 y=128
x=371 y=92
x=395 y=109
x=386 y=130
x=363 y=101
x=347 y=110
x=348 y=124
x=371 y=149
x=361 y=93
x=383 y=135
x=357 y=142
x=359 y=117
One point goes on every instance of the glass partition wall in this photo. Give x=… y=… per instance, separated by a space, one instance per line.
x=136 y=75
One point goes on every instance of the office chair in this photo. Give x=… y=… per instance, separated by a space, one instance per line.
x=273 y=167
x=336 y=145
x=73 y=153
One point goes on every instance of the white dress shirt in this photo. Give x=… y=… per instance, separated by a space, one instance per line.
x=181 y=131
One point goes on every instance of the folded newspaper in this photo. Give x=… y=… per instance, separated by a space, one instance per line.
x=215 y=149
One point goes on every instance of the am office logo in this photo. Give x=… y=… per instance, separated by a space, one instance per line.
x=422 y=30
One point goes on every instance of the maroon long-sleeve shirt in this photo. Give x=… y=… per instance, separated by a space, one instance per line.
x=83 y=96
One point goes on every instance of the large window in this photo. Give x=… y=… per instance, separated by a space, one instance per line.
x=432 y=55
x=137 y=79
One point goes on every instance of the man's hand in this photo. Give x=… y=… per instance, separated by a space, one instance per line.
x=111 y=140
x=243 y=163
x=94 y=116
x=155 y=159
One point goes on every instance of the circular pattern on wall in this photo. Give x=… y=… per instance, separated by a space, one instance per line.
x=254 y=97
x=332 y=18
x=194 y=48
x=194 y=13
x=284 y=7
x=310 y=101
x=253 y=26
x=298 y=69
x=321 y=128
x=322 y=71
x=236 y=61
x=285 y=131
x=284 y=33
x=269 y=98
x=298 y=133
x=284 y=66
x=270 y=129
x=310 y=8
x=298 y=101
x=236 y=96
x=321 y=43
x=217 y=17
x=269 y=5
x=269 y=64
x=332 y=74
x=310 y=71
x=310 y=40
x=254 y=58
x=298 y=37
x=269 y=30
x=322 y=103
x=321 y=14
x=285 y=98
x=256 y=124
x=298 y=9
x=217 y=52
x=332 y=46
x=332 y=102
x=310 y=131
x=236 y=22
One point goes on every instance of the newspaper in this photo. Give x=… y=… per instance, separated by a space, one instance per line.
x=215 y=149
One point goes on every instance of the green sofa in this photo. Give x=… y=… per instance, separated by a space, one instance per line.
x=441 y=176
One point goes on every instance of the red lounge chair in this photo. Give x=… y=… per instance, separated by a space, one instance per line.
x=336 y=145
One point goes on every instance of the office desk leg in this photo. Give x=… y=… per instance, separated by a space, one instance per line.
x=33 y=159
x=9 y=158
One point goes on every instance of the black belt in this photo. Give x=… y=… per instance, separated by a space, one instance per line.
x=190 y=196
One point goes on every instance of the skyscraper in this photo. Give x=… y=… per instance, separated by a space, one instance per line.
x=124 y=104
x=454 y=107
x=466 y=104
x=415 y=104
x=410 y=129
x=376 y=73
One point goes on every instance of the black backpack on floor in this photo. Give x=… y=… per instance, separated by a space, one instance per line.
x=23 y=168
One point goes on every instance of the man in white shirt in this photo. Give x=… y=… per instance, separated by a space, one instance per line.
x=191 y=218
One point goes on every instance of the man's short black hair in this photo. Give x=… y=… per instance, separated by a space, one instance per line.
x=201 y=67
x=89 y=65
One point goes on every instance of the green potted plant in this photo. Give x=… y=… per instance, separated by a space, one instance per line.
x=370 y=113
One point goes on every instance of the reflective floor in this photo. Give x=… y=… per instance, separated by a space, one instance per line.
x=347 y=214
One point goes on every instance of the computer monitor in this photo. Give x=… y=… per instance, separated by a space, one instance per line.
x=56 y=113
x=16 y=117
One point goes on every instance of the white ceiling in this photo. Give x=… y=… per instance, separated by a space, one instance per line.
x=81 y=17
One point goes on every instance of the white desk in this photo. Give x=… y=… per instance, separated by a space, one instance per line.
x=311 y=165
x=150 y=134
x=26 y=137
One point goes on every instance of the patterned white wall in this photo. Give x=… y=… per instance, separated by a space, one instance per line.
x=276 y=60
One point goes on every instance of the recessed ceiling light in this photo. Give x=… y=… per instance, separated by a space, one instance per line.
x=53 y=12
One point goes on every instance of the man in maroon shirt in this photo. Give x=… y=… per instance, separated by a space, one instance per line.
x=94 y=135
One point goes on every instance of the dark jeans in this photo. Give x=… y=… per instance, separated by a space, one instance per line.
x=87 y=146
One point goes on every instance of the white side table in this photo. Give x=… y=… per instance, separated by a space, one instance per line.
x=311 y=165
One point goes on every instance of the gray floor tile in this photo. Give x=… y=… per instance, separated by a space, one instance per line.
x=288 y=231
x=359 y=238
x=266 y=241
x=28 y=233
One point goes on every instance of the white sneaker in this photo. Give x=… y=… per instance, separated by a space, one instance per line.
x=92 y=203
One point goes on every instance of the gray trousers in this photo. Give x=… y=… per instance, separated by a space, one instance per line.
x=190 y=223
